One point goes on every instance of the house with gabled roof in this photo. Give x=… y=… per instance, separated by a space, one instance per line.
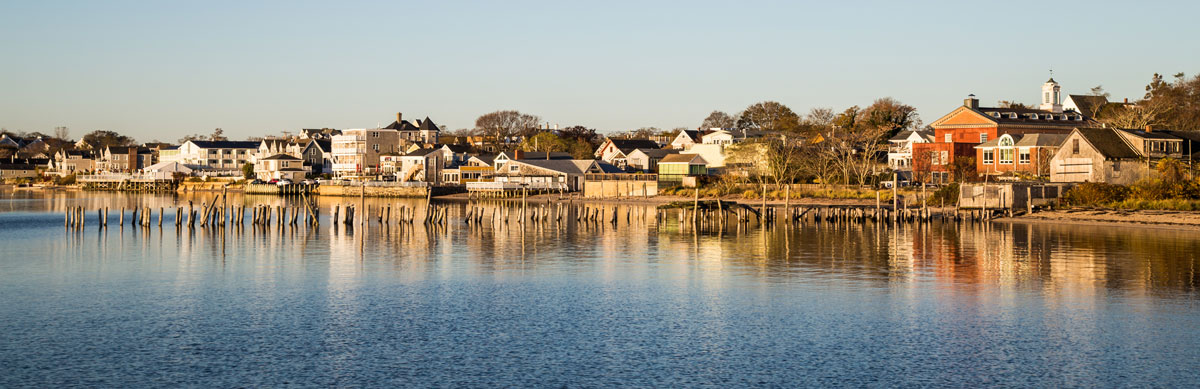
x=1096 y=155
x=423 y=131
x=280 y=167
x=316 y=155
x=565 y=174
x=615 y=151
x=646 y=160
x=899 y=155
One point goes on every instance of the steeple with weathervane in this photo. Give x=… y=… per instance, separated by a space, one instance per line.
x=1051 y=96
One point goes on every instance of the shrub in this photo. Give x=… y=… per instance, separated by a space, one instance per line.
x=1094 y=194
x=945 y=195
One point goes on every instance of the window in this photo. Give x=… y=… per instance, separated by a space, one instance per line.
x=376 y=147
x=949 y=138
x=1074 y=146
x=988 y=156
x=1006 y=156
x=1023 y=157
x=983 y=138
x=1047 y=98
x=945 y=157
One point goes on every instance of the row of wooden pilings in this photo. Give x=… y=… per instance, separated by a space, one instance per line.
x=216 y=214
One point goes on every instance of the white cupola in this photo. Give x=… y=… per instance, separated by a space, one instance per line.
x=1051 y=97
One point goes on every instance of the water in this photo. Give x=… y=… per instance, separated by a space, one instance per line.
x=585 y=305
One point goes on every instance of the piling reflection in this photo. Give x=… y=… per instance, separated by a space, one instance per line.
x=409 y=238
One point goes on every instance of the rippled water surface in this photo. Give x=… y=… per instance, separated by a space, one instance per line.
x=635 y=303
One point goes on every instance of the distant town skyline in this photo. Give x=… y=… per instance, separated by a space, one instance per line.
x=159 y=71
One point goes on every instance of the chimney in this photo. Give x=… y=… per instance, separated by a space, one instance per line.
x=518 y=155
x=399 y=116
x=1148 y=129
x=971 y=102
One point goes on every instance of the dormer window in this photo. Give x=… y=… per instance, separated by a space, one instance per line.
x=995 y=114
x=1033 y=116
x=1012 y=115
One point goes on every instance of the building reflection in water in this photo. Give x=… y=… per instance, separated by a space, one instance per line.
x=1070 y=261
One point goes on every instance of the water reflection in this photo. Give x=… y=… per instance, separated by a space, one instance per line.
x=562 y=301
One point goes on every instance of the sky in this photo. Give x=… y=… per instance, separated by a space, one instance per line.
x=158 y=70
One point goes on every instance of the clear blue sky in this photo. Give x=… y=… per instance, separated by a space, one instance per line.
x=162 y=69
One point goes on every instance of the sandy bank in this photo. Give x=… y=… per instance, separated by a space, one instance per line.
x=1114 y=217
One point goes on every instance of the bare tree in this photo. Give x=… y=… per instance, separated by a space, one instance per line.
x=61 y=132
x=717 y=119
x=505 y=125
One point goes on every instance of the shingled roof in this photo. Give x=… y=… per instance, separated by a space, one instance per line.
x=1108 y=143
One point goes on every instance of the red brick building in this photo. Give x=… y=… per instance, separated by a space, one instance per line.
x=957 y=133
x=1016 y=153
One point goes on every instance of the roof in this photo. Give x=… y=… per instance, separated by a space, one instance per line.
x=527 y=155
x=225 y=144
x=489 y=159
x=420 y=152
x=428 y=125
x=402 y=125
x=658 y=153
x=173 y=167
x=1028 y=140
x=16 y=166
x=1042 y=140
x=693 y=134
x=274 y=142
x=1150 y=134
x=1108 y=143
x=608 y=167
x=683 y=158
x=904 y=135
x=457 y=148
x=570 y=166
x=628 y=145
x=281 y=157
x=1088 y=104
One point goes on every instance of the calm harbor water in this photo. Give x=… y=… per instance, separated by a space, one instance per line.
x=587 y=304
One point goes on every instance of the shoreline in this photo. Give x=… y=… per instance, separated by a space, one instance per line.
x=1161 y=219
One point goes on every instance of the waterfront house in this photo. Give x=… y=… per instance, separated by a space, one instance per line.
x=553 y=174
x=316 y=155
x=222 y=157
x=421 y=165
x=1107 y=155
x=899 y=156
x=616 y=151
x=517 y=155
x=355 y=152
x=280 y=167
x=17 y=168
x=123 y=159
x=646 y=160
x=72 y=161
x=272 y=146
x=675 y=167
x=1017 y=153
x=477 y=168
x=685 y=138
x=424 y=131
